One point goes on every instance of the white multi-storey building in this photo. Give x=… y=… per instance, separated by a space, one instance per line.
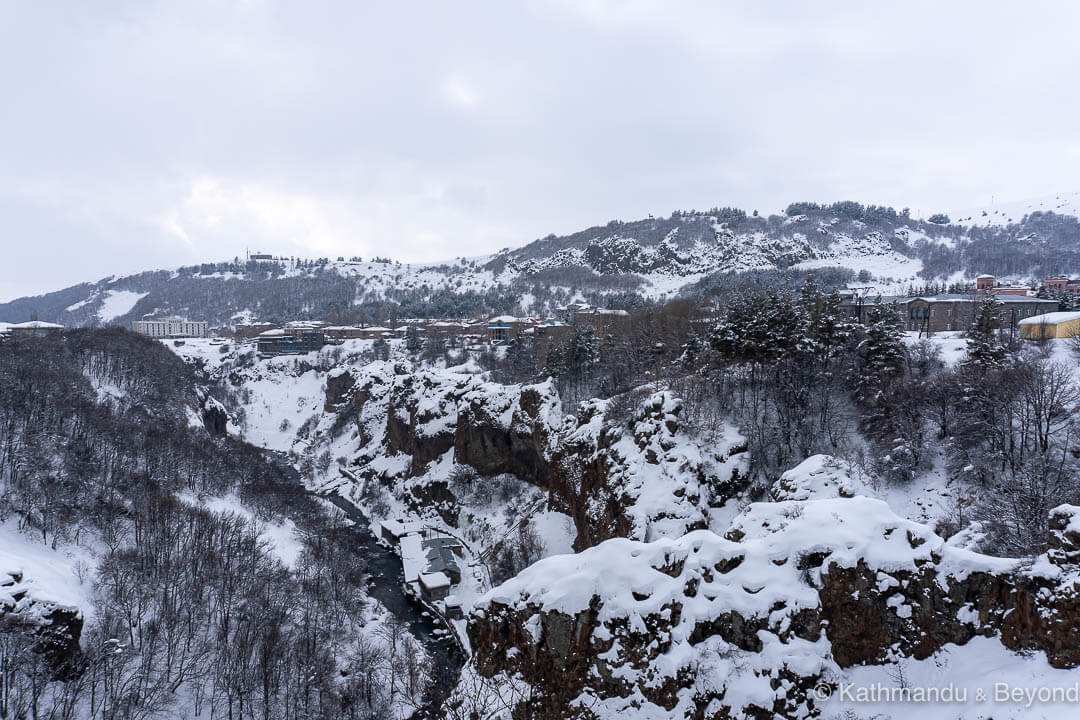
x=170 y=327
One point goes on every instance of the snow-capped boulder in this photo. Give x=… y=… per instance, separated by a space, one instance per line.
x=48 y=629
x=817 y=477
x=745 y=624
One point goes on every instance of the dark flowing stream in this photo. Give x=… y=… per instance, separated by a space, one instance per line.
x=386 y=583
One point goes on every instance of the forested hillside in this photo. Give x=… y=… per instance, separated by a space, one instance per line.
x=621 y=265
x=106 y=444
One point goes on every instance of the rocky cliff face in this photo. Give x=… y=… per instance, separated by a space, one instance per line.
x=746 y=624
x=1045 y=600
x=424 y=415
x=214 y=416
x=415 y=426
x=485 y=440
x=40 y=628
x=641 y=476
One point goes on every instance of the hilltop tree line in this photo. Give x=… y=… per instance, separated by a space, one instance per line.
x=1037 y=245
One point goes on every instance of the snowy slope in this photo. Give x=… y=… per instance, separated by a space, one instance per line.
x=1003 y=213
x=654 y=258
x=118 y=302
x=61 y=576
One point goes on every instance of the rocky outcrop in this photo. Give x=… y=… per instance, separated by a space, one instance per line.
x=1045 y=602
x=44 y=629
x=214 y=416
x=340 y=384
x=632 y=472
x=486 y=441
x=746 y=624
x=423 y=415
x=643 y=477
x=870 y=616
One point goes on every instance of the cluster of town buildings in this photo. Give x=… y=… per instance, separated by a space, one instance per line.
x=1019 y=309
x=304 y=336
x=299 y=337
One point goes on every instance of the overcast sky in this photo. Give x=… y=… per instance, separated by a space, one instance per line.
x=140 y=135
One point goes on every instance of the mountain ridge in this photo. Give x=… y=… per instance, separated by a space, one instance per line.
x=622 y=262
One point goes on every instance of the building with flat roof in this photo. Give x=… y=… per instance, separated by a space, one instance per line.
x=504 y=329
x=293 y=339
x=354 y=332
x=34 y=328
x=949 y=311
x=937 y=313
x=1050 y=325
x=171 y=327
x=601 y=320
x=250 y=330
x=1062 y=284
x=989 y=284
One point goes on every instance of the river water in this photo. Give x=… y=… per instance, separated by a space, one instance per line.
x=386 y=583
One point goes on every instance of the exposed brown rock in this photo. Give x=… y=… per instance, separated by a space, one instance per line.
x=51 y=631
x=869 y=615
x=338 y=388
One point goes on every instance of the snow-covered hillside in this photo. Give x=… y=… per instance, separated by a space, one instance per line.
x=1005 y=213
x=625 y=263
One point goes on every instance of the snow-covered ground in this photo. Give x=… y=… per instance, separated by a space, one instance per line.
x=63 y=576
x=1004 y=213
x=952 y=344
x=118 y=302
x=112 y=303
x=982 y=680
x=280 y=536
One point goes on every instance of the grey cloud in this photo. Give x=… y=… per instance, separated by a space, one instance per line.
x=140 y=135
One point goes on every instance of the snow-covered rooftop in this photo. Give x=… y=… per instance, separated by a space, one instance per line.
x=502 y=319
x=36 y=325
x=435 y=580
x=400 y=528
x=1051 y=318
x=413 y=560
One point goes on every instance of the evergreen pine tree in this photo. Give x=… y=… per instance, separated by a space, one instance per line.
x=827 y=329
x=692 y=351
x=414 y=340
x=983 y=349
x=520 y=364
x=882 y=354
